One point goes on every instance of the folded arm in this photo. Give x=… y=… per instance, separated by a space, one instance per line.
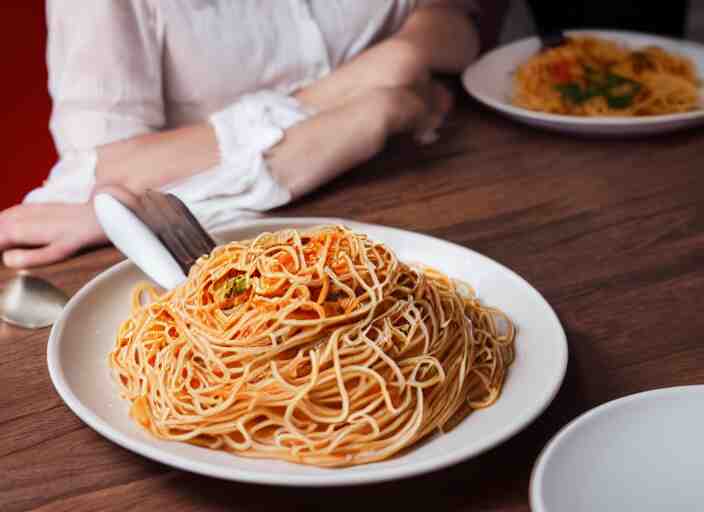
x=438 y=38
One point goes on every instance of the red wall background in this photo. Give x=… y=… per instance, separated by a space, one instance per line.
x=27 y=149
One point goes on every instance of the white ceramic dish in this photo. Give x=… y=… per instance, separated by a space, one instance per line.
x=81 y=339
x=642 y=452
x=490 y=80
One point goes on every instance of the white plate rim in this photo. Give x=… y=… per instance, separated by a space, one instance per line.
x=561 y=119
x=537 y=503
x=61 y=386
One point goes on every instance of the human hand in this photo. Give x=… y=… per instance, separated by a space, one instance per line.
x=420 y=109
x=39 y=234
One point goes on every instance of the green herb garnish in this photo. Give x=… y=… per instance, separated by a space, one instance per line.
x=574 y=92
x=229 y=288
x=236 y=286
x=619 y=102
x=618 y=90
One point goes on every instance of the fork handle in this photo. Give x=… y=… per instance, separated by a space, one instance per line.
x=137 y=241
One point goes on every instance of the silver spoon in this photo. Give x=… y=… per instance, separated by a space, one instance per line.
x=31 y=302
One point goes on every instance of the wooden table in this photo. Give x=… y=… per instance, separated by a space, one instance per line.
x=611 y=232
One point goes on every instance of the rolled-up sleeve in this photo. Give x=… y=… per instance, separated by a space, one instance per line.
x=105 y=81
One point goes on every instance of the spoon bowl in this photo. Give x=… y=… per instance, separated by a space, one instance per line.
x=31 y=302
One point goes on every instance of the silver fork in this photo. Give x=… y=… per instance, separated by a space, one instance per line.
x=176 y=227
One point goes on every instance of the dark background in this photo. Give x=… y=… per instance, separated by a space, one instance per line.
x=27 y=151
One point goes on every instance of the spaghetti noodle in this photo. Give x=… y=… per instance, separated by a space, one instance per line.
x=317 y=347
x=589 y=76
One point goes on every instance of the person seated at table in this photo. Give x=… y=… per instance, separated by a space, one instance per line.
x=231 y=106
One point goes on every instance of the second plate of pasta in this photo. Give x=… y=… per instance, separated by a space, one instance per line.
x=601 y=82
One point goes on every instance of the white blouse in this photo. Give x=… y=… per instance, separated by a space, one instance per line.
x=121 y=68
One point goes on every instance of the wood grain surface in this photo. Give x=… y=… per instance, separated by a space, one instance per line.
x=611 y=232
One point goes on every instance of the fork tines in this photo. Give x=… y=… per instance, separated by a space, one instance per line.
x=176 y=227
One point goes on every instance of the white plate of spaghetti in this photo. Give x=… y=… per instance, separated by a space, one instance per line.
x=311 y=352
x=600 y=82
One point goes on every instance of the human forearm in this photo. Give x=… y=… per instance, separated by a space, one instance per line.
x=327 y=145
x=311 y=152
x=443 y=37
x=323 y=147
x=156 y=159
x=433 y=39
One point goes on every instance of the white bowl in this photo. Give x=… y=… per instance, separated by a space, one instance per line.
x=490 y=80
x=643 y=452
